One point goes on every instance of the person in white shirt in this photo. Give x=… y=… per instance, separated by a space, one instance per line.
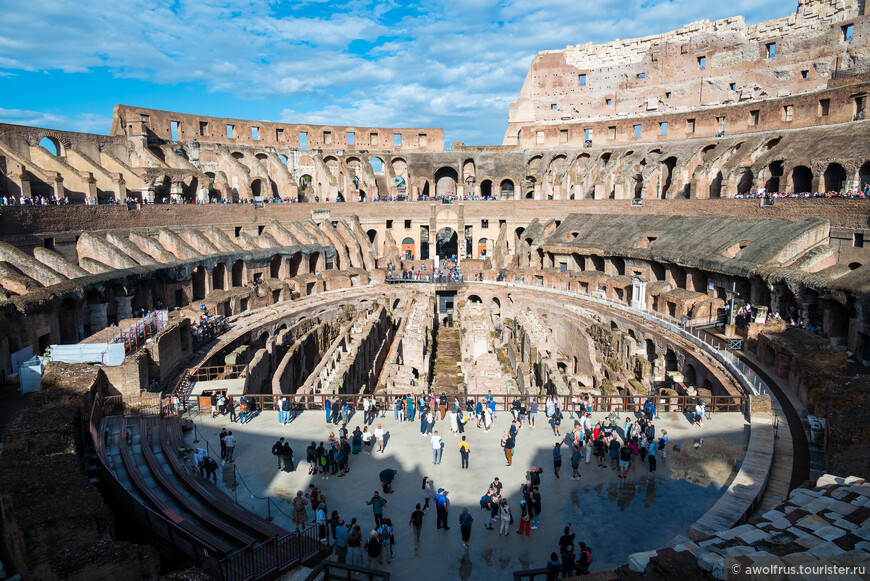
x=379 y=437
x=230 y=442
x=437 y=448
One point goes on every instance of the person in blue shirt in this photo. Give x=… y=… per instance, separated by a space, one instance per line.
x=341 y=542
x=465 y=521
x=441 y=507
x=651 y=456
x=478 y=411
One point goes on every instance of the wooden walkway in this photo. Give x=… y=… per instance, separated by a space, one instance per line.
x=748 y=486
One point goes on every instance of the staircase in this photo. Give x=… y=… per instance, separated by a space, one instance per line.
x=446 y=373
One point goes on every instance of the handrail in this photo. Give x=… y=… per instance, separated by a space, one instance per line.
x=751 y=382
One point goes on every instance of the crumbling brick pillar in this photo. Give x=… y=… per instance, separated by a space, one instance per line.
x=125 y=310
x=99 y=319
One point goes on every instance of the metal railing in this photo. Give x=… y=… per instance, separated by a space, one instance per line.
x=503 y=402
x=258 y=561
x=333 y=571
x=747 y=378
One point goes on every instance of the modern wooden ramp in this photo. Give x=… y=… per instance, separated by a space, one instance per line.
x=149 y=471
x=748 y=486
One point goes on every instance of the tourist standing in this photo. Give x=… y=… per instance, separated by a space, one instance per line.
x=379 y=438
x=465 y=521
x=377 y=503
x=427 y=492
x=230 y=442
x=437 y=448
x=300 y=515
x=504 y=513
x=441 y=507
x=464 y=451
x=557 y=458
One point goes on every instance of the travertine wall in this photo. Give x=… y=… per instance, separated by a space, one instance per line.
x=702 y=65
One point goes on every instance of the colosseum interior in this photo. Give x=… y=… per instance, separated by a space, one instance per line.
x=678 y=218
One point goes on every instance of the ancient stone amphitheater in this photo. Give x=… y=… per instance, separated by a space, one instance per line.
x=646 y=191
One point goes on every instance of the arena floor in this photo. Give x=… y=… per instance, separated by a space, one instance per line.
x=614 y=518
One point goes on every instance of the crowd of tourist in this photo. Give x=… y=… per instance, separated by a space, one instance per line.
x=448 y=271
x=862 y=193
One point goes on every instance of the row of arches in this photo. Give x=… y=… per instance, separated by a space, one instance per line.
x=220 y=277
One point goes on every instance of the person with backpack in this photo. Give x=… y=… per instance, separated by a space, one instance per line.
x=416 y=523
x=373 y=549
x=354 y=542
x=568 y=559
x=277 y=450
x=557 y=421
x=650 y=430
x=464 y=451
x=584 y=560
x=209 y=466
x=385 y=536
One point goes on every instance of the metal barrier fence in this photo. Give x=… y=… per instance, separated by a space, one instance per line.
x=255 y=562
x=333 y=571
x=599 y=403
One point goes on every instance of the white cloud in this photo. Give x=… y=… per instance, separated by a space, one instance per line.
x=455 y=64
x=85 y=123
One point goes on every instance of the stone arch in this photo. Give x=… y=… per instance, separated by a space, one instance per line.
x=423 y=190
x=690 y=376
x=667 y=169
x=506 y=190
x=534 y=164
x=864 y=176
x=474 y=299
x=446 y=243
x=257 y=188
x=276 y=266
x=52 y=145
x=716 y=186
x=835 y=177
x=446 y=179
x=744 y=185
x=377 y=164
x=671 y=362
x=481 y=248
x=294 y=264
x=314 y=262
x=801 y=179
x=468 y=169
x=775 y=180
x=486 y=188
x=495 y=307
x=408 y=248
x=198 y=283
x=651 y=354
x=219 y=276
x=240 y=273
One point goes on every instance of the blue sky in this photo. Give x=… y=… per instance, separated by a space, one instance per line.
x=439 y=63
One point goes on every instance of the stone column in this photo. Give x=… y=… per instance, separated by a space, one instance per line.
x=148 y=195
x=175 y=192
x=57 y=186
x=125 y=310
x=91 y=196
x=99 y=319
x=120 y=187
